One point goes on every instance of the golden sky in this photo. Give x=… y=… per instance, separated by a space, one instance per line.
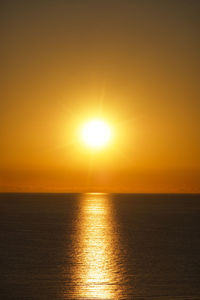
x=133 y=63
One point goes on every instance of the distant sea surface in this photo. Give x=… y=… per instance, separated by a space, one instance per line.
x=99 y=246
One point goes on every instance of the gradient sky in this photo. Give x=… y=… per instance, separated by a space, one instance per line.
x=135 y=62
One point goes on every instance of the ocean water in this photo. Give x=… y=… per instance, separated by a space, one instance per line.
x=99 y=246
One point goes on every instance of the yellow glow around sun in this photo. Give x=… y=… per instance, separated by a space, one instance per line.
x=96 y=133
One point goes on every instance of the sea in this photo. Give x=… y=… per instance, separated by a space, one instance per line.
x=99 y=246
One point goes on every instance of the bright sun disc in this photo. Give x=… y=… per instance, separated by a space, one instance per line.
x=96 y=133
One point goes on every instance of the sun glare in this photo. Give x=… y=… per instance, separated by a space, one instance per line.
x=96 y=133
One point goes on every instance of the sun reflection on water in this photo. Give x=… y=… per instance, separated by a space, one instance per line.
x=98 y=271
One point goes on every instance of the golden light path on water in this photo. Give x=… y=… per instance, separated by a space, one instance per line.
x=98 y=271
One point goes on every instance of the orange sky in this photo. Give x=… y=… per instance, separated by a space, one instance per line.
x=135 y=63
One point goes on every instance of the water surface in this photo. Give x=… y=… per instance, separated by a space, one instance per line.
x=99 y=246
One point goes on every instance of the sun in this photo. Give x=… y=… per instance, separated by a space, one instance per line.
x=96 y=133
